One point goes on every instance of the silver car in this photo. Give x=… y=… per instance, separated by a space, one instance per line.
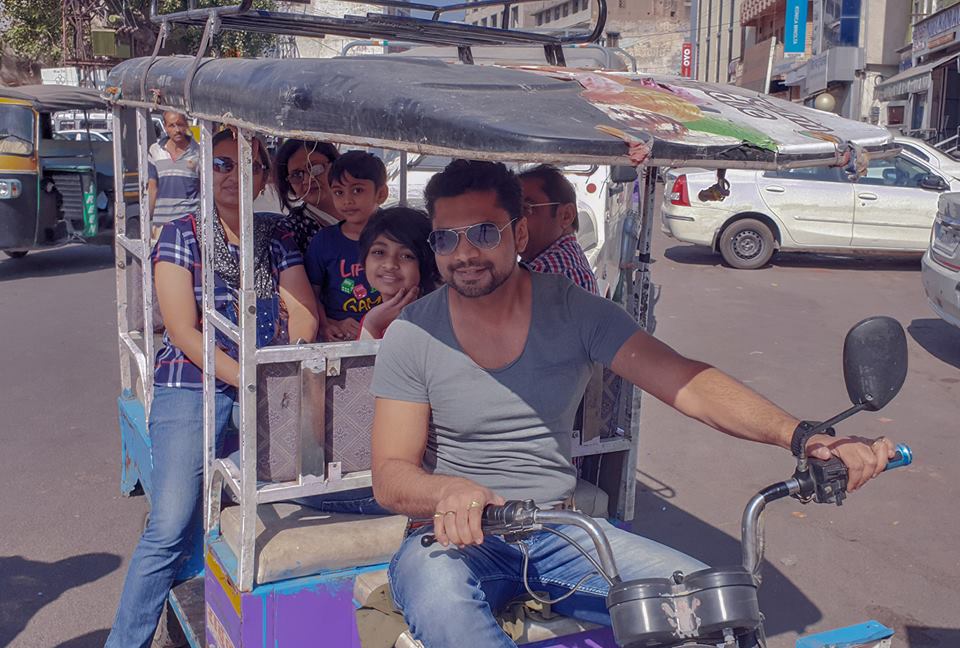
x=941 y=262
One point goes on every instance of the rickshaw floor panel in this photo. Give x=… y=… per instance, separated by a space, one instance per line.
x=186 y=601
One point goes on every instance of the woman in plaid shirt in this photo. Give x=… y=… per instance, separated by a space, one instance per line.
x=176 y=416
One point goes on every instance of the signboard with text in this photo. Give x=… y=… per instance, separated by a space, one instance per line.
x=686 y=60
x=795 y=29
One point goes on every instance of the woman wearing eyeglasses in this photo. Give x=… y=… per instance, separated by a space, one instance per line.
x=301 y=180
x=176 y=416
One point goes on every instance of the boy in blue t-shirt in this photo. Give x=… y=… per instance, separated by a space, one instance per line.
x=358 y=181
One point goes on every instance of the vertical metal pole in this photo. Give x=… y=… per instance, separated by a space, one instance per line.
x=639 y=295
x=248 y=366
x=209 y=306
x=403 y=178
x=120 y=253
x=146 y=270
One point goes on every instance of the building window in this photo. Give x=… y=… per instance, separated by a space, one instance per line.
x=483 y=22
x=556 y=13
x=514 y=16
x=493 y=20
x=539 y=19
x=566 y=9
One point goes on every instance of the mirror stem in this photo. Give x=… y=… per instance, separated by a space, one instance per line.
x=839 y=417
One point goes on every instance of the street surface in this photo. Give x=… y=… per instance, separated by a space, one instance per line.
x=890 y=553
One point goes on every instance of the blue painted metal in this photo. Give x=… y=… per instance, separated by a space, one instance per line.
x=849 y=637
x=135 y=447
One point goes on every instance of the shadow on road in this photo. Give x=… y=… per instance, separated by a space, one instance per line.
x=73 y=259
x=785 y=607
x=925 y=637
x=702 y=255
x=939 y=339
x=94 y=639
x=26 y=586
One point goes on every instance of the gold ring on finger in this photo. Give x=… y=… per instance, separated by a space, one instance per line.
x=438 y=514
x=475 y=504
x=449 y=512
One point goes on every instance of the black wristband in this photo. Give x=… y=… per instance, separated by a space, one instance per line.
x=802 y=434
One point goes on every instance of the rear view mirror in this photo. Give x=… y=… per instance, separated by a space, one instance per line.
x=874 y=362
x=623 y=174
x=933 y=182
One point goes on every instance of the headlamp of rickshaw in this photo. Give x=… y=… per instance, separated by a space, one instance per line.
x=10 y=188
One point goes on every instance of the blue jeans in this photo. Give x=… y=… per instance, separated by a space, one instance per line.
x=449 y=596
x=176 y=432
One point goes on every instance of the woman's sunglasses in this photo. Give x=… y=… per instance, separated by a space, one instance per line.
x=301 y=175
x=484 y=236
x=226 y=165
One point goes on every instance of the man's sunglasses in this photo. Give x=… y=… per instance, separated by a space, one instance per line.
x=484 y=236
x=226 y=165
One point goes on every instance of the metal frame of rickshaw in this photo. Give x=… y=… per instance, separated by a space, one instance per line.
x=137 y=347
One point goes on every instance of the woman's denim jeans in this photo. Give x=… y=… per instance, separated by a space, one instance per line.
x=449 y=596
x=176 y=433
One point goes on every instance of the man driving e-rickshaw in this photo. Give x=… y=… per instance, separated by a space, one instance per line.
x=478 y=384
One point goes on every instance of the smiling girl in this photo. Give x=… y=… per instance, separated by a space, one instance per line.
x=398 y=263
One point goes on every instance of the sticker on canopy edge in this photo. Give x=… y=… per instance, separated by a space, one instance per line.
x=216 y=630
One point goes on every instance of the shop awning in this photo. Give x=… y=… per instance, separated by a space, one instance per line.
x=911 y=80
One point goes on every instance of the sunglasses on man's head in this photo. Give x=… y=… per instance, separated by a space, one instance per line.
x=484 y=236
x=226 y=165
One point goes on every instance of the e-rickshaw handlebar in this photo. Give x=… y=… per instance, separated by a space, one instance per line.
x=823 y=481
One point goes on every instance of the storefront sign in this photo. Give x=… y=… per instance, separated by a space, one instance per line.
x=927 y=30
x=686 y=60
x=60 y=76
x=942 y=39
x=795 y=29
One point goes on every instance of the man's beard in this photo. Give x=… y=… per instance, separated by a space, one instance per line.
x=482 y=287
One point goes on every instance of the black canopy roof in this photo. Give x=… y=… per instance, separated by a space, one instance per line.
x=542 y=114
x=51 y=98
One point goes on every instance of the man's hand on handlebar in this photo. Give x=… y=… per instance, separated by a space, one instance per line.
x=458 y=513
x=864 y=458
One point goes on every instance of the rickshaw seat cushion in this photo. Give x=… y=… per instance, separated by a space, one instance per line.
x=533 y=629
x=295 y=541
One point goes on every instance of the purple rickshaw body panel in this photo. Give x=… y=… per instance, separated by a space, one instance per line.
x=290 y=613
x=596 y=638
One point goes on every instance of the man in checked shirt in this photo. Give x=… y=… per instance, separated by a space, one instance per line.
x=550 y=205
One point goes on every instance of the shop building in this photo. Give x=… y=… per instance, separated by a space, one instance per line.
x=923 y=98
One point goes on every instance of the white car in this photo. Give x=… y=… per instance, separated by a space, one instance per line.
x=82 y=135
x=930 y=155
x=941 y=262
x=814 y=209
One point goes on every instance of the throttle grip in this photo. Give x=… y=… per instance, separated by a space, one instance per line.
x=903 y=457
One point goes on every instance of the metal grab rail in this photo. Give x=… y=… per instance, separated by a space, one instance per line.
x=242 y=17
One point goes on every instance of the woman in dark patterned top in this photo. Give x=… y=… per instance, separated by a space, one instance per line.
x=301 y=180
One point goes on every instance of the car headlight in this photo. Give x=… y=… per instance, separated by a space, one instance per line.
x=10 y=189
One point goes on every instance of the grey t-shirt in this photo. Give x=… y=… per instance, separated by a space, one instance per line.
x=509 y=429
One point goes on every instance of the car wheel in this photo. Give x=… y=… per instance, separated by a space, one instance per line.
x=16 y=254
x=747 y=244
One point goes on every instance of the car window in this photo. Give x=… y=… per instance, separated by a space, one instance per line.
x=820 y=173
x=914 y=151
x=897 y=171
